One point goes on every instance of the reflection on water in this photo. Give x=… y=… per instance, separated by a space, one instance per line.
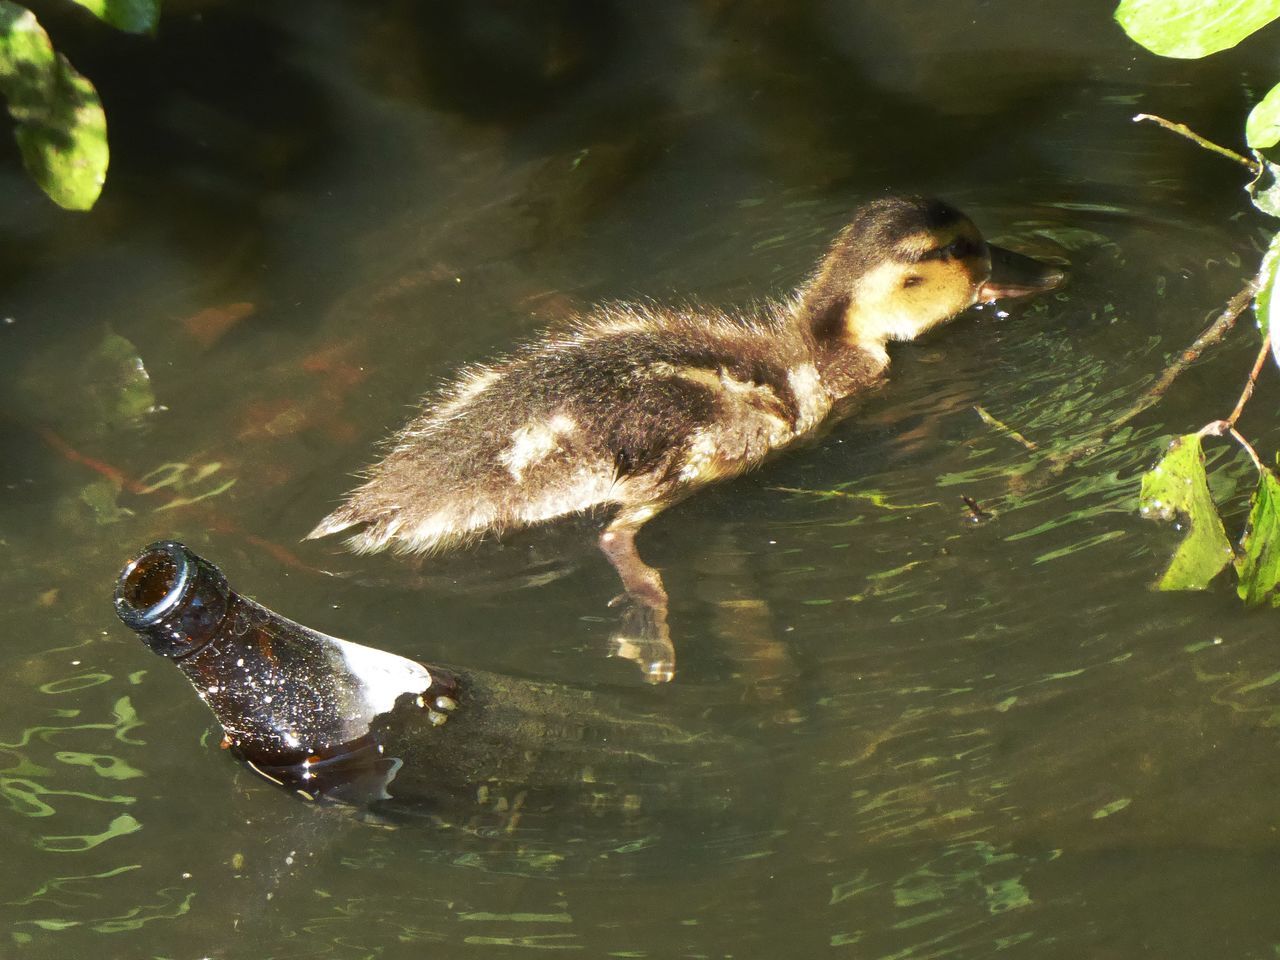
x=975 y=736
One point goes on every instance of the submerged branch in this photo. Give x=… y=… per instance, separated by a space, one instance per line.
x=1212 y=334
x=1183 y=130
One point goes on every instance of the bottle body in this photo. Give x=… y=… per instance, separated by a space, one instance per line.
x=327 y=718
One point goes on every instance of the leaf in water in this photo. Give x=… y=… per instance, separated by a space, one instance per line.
x=186 y=479
x=1259 y=567
x=1264 y=189
x=101 y=498
x=118 y=382
x=131 y=16
x=1176 y=487
x=1262 y=129
x=210 y=325
x=165 y=475
x=1193 y=28
x=97 y=504
x=62 y=131
x=88 y=383
x=1115 y=806
x=214 y=491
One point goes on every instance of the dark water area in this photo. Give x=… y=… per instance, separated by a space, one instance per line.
x=958 y=739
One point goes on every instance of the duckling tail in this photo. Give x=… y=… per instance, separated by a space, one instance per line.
x=449 y=522
x=341 y=519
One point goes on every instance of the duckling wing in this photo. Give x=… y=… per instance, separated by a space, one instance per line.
x=623 y=418
x=499 y=448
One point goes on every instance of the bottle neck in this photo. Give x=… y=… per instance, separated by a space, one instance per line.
x=175 y=600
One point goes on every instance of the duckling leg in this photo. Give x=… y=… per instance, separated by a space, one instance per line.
x=644 y=636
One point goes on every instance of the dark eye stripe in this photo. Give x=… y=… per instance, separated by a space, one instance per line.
x=958 y=249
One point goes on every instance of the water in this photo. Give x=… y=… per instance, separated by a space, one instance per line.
x=969 y=738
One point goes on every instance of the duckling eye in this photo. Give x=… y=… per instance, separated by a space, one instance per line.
x=958 y=249
x=912 y=282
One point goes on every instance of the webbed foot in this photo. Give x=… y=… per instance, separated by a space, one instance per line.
x=642 y=637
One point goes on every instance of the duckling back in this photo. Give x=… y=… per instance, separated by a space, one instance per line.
x=492 y=451
x=631 y=408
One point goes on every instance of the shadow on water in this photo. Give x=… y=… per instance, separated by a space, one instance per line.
x=963 y=737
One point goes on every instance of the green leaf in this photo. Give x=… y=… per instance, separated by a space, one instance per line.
x=131 y=16
x=1268 y=322
x=1193 y=28
x=1267 y=273
x=1266 y=308
x=1262 y=129
x=1264 y=189
x=1259 y=566
x=62 y=131
x=1177 y=488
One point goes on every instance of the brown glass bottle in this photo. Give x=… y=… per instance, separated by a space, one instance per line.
x=333 y=719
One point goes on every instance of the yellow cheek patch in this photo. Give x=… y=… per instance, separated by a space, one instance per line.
x=887 y=307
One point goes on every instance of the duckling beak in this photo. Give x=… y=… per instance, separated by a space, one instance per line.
x=1013 y=275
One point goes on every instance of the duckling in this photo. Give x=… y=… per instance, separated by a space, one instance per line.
x=633 y=407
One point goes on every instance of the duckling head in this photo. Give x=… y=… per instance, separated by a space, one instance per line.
x=902 y=266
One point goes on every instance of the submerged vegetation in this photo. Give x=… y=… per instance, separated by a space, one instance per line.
x=1177 y=486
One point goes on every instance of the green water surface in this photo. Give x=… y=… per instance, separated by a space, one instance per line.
x=967 y=739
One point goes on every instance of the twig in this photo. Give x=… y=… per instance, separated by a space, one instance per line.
x=1211 y=335
x=976 y=513
x=1252 y=381
x=100 y=467
x=1183 y=130
x=1011 y=433
x=1248 y=447
x=1219 y=428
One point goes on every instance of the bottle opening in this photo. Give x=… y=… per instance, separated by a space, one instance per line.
x=152 y=585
